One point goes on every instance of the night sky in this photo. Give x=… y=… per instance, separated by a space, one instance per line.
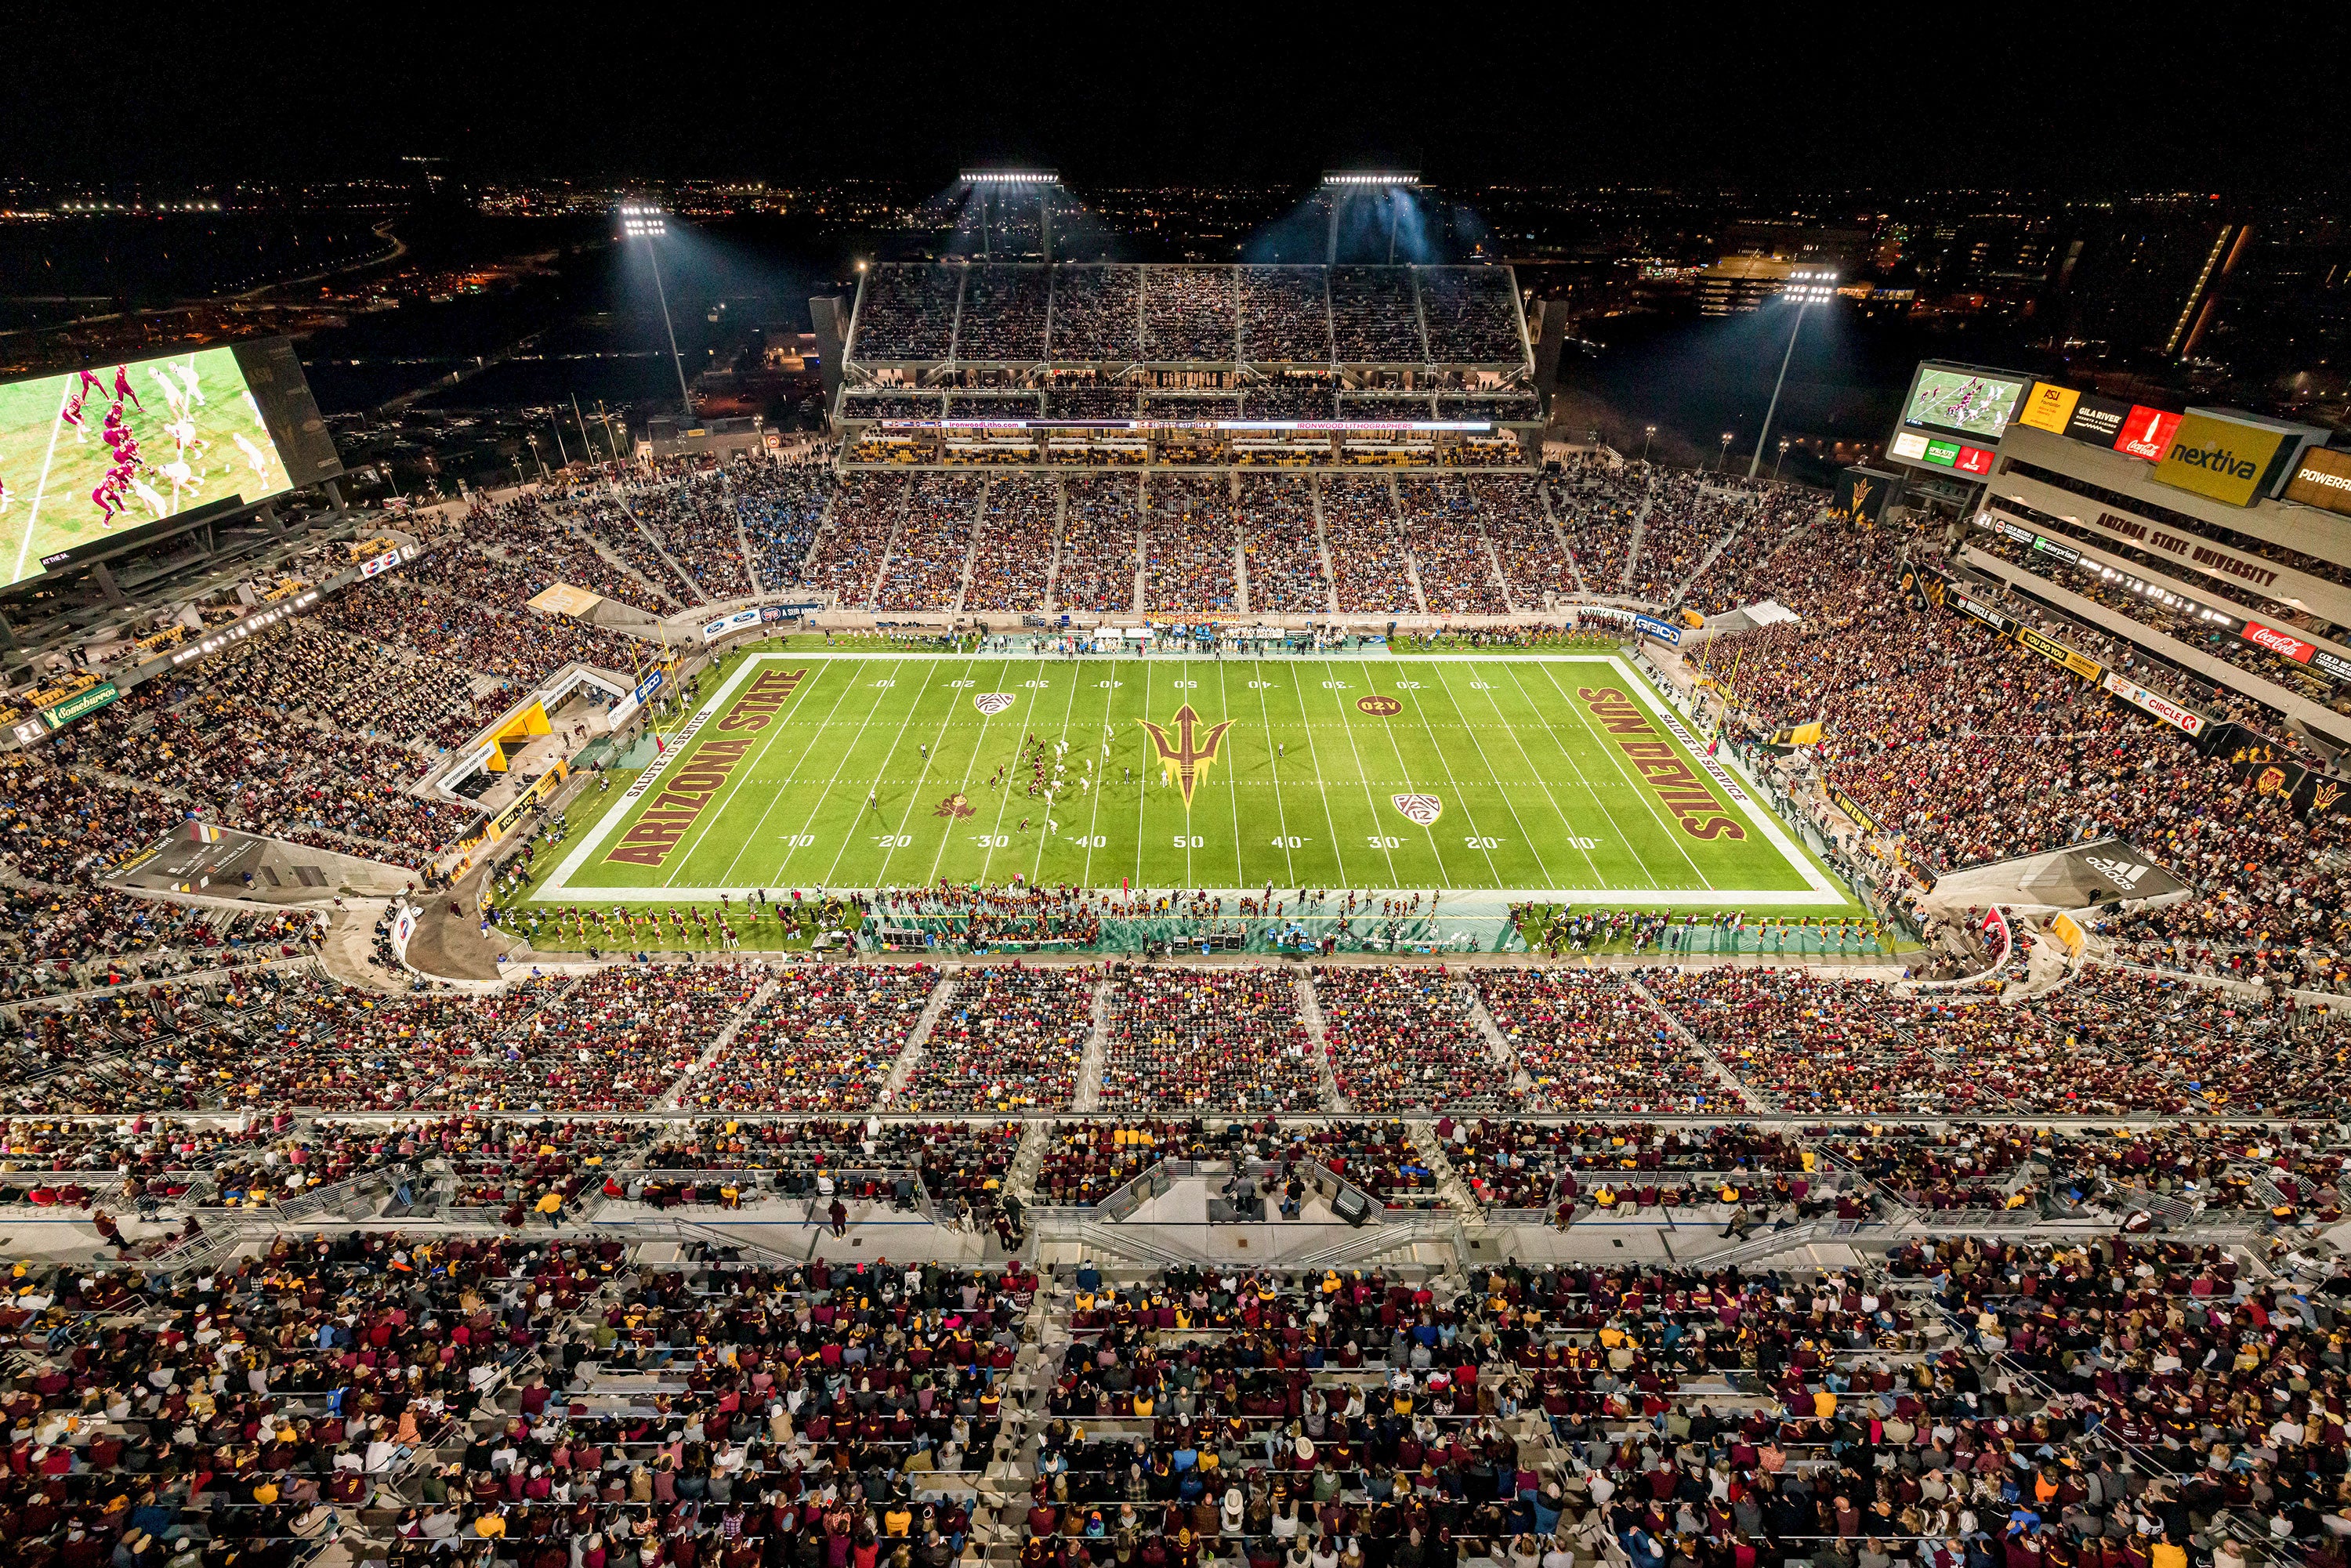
x=2240 y=100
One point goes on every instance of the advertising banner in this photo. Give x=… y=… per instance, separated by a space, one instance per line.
x=2161 y=706
x=2321 y=478
x=2146 y=433
x=2056 y=653
x=85 y=702
x=1664 y=631
x=1992 y=618
x=2284 y=644
x=2048 y=406
x=2219 y=457
x=2097 y=421
x=727 y=626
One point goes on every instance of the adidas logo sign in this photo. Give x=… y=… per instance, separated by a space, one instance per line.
x=2122 y=874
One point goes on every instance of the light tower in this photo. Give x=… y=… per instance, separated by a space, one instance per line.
x=1806 y=290
x=1341 y=183
x=1020 y=181
x=649 y=223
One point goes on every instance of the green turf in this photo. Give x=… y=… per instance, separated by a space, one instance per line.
x=1537 y=797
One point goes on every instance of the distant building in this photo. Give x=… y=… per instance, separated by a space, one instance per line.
x=1738 y=283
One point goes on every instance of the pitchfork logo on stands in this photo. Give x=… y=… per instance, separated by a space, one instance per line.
x=1421 y=809
x=992 y=702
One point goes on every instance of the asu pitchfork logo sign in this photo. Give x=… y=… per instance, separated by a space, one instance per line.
x=1188 y=757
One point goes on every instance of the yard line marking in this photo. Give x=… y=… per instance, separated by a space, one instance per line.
x=897 y=740
x=1360 y=773
x=1142 y=782
x=1281 y=820
x=825 y=794
x=1101 y=789
x=1329 y=821
x=708 y=822
x=1045 y=829
x=1540 y=865
x=814 y=736
x=1671 y=830
x=1503 y=724
x=970 y=764
x=41 y=485
x=1438 y=746
x=1567 y=754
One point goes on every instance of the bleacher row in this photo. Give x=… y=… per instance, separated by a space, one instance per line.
x=1481 y=544
x=495 y=1400
x=1025 y=315
x=1012 y=1040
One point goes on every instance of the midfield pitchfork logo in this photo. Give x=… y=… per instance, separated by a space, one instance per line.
x=1185 y=761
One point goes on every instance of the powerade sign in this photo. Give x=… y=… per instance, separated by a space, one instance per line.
x=1651 y=626
x=727 y=626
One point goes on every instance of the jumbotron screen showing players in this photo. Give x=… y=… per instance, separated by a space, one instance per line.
x=100 y=451
x=1966 y=401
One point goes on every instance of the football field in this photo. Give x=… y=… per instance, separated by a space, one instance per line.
x=1529 y=776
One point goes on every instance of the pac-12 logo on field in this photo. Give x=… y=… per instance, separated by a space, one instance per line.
x=1421 y=809
x=992 y=702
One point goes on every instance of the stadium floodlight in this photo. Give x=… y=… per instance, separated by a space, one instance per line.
x=639 y=220
x=1805 y=288
x=1044 y=181
x=1341 y=182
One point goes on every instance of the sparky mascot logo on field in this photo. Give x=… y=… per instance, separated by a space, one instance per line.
x=1421 y=809
x=1188 y=759
x=954 y=806
x=992 y=702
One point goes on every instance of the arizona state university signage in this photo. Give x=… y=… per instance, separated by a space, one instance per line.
x=687 y=795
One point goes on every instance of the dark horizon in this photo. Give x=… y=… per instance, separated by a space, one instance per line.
x=2240 y=105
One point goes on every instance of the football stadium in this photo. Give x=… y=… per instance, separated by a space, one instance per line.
x=1190 y=934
